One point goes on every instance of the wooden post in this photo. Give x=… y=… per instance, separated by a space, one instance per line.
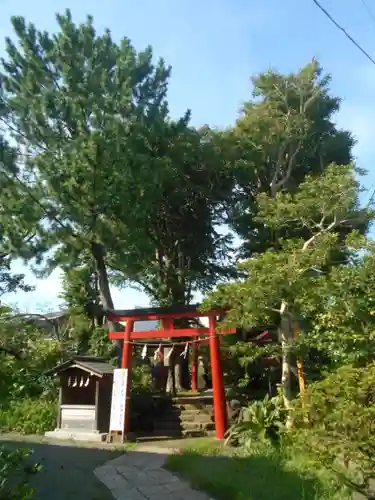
x=60 y=403
x=194 y=367
x=301 y=377
x=97 y=389
x=127 y=354
x=220 y=409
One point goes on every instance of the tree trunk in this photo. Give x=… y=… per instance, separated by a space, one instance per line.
x=286 y=334
x=178 y=373
x=170 y=387
x=171 y=384
x=105 y=292
x=172 y=284
x=175 y=363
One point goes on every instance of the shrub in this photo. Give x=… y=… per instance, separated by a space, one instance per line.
x=141 y=378
x=341 y=433
x=28 y=416
x=15 y=473
x=143 y=407
x=261 y=420
x=20 y=378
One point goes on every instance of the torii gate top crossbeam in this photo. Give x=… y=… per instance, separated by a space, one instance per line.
x=166 y=315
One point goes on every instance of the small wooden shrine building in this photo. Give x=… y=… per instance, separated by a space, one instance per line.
x=85 y=390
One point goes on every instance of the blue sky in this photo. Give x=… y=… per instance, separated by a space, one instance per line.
x=214 y=46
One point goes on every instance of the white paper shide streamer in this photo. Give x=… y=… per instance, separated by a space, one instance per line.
x=157 y=352
x=169 y=353
x=185 y=351
x=144 y=352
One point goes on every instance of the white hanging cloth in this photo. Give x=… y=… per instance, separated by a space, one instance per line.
x=185 y=351
x=157 y=352
x=169 y=354
x=144 y=352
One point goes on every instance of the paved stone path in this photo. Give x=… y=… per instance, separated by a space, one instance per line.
x=139 y=475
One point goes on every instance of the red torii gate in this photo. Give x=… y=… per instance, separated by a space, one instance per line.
x=167 y=315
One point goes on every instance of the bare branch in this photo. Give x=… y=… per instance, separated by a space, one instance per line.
x=279 y=161
x=289 y=169
x=331 y=226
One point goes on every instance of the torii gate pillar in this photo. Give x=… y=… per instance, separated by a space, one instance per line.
x=220 y=410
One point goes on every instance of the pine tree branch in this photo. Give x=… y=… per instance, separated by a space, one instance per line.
x=46 y=211
x=11 y=352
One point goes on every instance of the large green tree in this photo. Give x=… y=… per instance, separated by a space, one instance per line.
x=284 y=133
x=84 y=110
x=185 y=251
x=289 y=282
x=119 y=181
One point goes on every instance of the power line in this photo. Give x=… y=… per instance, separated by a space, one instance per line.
x=338 y=26
x=369 y=11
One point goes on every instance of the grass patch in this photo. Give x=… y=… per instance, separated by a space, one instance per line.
x=260 y=475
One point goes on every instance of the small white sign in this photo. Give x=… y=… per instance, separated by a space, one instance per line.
x=120 y=382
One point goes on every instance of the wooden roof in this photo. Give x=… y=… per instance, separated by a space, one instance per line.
x=90 y=364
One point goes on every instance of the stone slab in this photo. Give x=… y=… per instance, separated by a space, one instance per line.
x=139 y=475
x=89 y=437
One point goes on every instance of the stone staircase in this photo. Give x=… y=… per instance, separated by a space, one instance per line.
x=186 y=416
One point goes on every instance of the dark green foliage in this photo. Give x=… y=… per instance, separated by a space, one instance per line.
x=279 y=285
x=343 y=325
x=142 y=379
x=28 y=416
x=25 y=356
x=144 y=407
x=27 y=397
x=86 y=110
x=285 y=133
x=261 y=420
x=119 y=184
x=10 y=282
x=16 y=223
x=80 y=293
x=341 y=431
x=185 y=253
x=14 y=474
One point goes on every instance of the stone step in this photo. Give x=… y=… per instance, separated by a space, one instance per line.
x=187 y=416
x=197 y=417
x=184 y=426
x=167 y=424
x=191 y=406
x=189 y=411
x=193 y=400
x=173 y=433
